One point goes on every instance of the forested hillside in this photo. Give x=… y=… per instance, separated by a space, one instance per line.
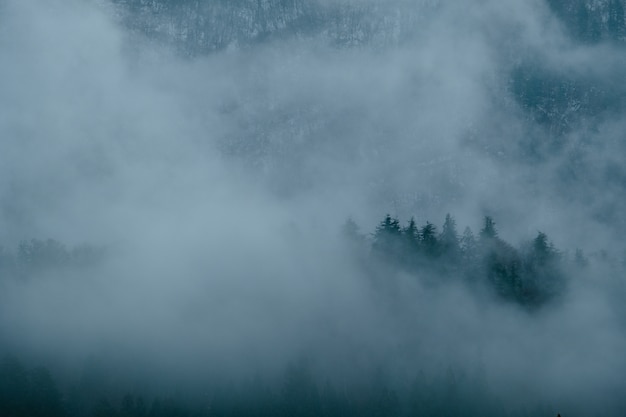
x=193 y=198
x=200 y=27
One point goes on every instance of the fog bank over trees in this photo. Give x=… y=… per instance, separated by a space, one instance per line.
x=239 y=207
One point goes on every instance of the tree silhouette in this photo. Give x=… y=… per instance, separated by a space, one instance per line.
x=488 y=232
x=300 y=392
x=429 y=240
x=28 y=393
x=45 y=398
x=14 y=387
x=350 y=230
x=468 y=245
x=449 y=240
x=411 y=244
x=387 y=239
x=411 y=234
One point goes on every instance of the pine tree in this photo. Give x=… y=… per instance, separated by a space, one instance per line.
x=411 y=234
x=387 y=237
x=542 y=250
x=44 y=398
x=104 y=408
x=449 y=239
x=543 y=277
x=350 y=229
x=468 y=244
x=429 y=240
x=300 y=394
x=488 y=232
x=14 y=387
x=410 y=244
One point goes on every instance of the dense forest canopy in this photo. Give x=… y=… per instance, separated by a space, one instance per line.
x=193 y=198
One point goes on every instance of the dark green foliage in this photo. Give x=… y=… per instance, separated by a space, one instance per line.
x=531 y=275
x=449 y=240
x=488 y=232
x=14 y=388
x=300 y=396
x=381 y=401
x=469 y=246
x=543 y=272
x=410 y=244
x=45 y=398
x=169 y=408
x=451 y=393
x=333 y=403
x=499 y=262
x=411 y=235
x=429 y=240
x=412 y=247
x=387 y=242
x=542 y=252
x=502 y=267
x=26 y=393
x=104 y=409
x=132 y=407
x=443 y=393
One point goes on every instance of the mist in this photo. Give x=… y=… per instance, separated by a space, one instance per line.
x=212 y=153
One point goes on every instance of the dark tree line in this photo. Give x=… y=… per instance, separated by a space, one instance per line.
x=530 y=275
x=298 y=393
x=28 y=392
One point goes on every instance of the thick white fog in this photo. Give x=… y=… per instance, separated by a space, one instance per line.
x=218 y=179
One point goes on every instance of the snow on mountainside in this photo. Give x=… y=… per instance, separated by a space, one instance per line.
x=197 y=27
x=376 y=83
x=593 y=20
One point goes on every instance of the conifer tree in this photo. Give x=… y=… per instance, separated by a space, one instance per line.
x=543 y=252
x=411 y=233
x=350 y=229
x=411 y=244
x=449 y=239
x=387 y=238
x=468 y=244
x=44 y=397
x=429 y=240
x=488 y=231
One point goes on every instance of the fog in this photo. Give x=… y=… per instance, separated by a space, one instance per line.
x=216 y=160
